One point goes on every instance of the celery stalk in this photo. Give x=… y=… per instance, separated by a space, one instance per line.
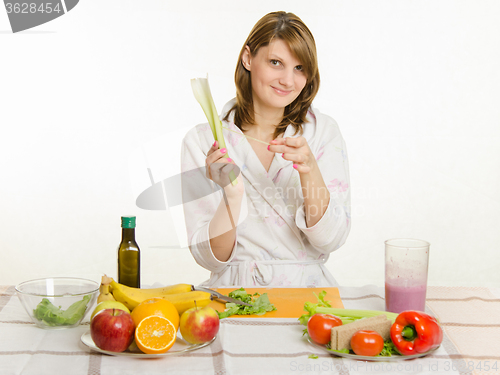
x=202 y=93
x=346 y=315
x=356 y=314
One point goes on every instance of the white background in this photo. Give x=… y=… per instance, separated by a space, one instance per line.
x=93 y=98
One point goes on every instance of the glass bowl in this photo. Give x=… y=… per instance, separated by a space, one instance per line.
x=57 y=302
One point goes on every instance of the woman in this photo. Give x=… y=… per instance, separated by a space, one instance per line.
x=289 y=207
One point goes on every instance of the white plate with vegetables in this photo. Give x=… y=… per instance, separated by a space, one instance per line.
x=380 y=358
x=368 y=334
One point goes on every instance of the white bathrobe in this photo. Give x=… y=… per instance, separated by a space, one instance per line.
x=273 y=247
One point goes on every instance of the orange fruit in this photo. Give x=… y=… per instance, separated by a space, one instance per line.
x=155 y=334
x=156 y=306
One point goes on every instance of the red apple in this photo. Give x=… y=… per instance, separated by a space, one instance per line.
x=112 y=330
x=199 y=324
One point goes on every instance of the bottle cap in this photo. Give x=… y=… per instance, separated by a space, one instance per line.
x=128 y=221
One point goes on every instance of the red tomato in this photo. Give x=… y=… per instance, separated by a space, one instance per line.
x=319 y=327
x=366 y=342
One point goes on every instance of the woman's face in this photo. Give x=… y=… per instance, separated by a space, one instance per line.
x=276 y=75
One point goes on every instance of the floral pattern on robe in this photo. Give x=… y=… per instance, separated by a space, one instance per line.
x=273 y=244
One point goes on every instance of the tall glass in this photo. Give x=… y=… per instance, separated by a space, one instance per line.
x=406 y=266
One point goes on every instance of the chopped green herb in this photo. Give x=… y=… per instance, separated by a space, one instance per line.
x=260 y=305
x=313 y=356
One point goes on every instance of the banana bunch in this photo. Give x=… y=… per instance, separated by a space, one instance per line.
x=181 y=295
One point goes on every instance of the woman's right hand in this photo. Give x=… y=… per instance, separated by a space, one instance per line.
x=218 y=169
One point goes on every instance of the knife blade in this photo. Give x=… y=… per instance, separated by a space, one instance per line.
x=220 y=296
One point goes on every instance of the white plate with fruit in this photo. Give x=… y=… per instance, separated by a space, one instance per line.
x=143 y=323
x=180 y=347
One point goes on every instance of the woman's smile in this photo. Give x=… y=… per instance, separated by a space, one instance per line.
x=281 y=92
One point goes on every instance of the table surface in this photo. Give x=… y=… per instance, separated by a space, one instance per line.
x=470 y=318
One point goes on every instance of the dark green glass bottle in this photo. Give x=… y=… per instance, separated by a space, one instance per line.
x=129 y=255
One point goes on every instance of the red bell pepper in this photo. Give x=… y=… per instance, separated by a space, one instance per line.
x=415 y=332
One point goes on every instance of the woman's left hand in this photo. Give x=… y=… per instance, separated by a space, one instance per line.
x=296 y=150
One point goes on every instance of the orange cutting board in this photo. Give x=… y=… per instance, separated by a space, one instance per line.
x=289 y=302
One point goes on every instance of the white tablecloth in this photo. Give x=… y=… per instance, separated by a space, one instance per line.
x=470 y=318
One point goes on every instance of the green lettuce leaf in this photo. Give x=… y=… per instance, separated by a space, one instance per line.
x=389 y=349
x=53 y=316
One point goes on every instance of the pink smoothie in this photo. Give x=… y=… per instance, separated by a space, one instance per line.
x=399 y=298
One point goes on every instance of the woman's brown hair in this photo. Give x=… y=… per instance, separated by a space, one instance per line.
x=289 y=28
